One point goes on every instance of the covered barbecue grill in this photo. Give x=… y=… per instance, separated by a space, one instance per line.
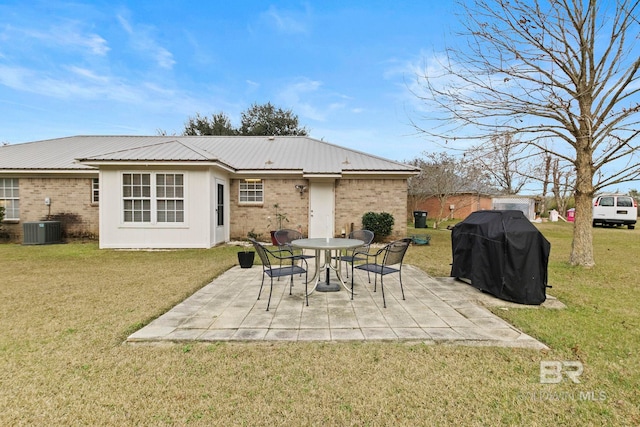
x=502 y=253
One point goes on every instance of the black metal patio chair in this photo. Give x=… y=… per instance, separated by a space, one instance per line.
x=284 y=237
x=266 y=256
x=360 y=253
x=383 y=260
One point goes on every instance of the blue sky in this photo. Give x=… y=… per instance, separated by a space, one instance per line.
x=133 y=67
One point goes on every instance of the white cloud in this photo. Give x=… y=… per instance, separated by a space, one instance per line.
x=13 y=77
x=310 y=99
x=88 y=74
x=408 y=77
x=78 y=84
x=286 y=21
x=298 y=96
x=201 y=54
x=96 y=44
x=164 y=58
x=67 y=36
x=125 y=24
x=143 y=41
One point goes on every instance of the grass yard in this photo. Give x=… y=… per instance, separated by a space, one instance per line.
x=66 y=310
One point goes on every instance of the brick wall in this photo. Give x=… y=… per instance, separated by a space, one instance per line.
x=261 y=218
x=464 y=204
x=70 y=204
x=353 y=198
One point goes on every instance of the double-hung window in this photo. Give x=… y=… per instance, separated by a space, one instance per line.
x=136 y=195
x=153 y=197
x=10 y=198
x=170 y=197
x=251 y=191
x=95 y=191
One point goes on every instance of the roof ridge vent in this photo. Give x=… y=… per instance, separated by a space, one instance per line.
x=271 y=137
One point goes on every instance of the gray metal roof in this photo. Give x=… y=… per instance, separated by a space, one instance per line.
x=239 y=154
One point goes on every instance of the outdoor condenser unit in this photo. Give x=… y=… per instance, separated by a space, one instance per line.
x=42 y=232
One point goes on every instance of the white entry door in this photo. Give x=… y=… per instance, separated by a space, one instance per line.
x=220 y=215
x=321 y=209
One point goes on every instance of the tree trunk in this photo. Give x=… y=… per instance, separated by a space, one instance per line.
x=440 y=214
x=545 y=183
x=582 y=246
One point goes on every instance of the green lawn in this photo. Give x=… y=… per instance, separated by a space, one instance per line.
x=66 y=310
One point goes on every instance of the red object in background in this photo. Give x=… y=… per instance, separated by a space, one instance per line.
x=571 y=215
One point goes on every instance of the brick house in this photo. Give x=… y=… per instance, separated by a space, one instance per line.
x=196 y=191
x=456 y=206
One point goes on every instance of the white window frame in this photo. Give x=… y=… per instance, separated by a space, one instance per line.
x=10 y=198
x=147 y=201
x=251 y=191
x=95 y=191
x=169 y=195
x=136 y=197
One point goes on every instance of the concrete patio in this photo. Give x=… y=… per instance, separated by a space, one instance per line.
x=435 y=311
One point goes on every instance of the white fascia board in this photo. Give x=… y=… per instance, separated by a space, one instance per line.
x=266 y=174
x=377 y=175
x=164 y=163
x=322 y=175
x=22 y=172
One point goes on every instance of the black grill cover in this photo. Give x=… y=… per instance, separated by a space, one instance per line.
x=502 y=253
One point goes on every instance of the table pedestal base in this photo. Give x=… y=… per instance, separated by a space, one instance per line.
x=327 y=246
x=332 y=287
x=327 y=285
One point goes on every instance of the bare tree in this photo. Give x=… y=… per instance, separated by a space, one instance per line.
x=564 y=71
x=546 y=171
x=506 y=160
x=418 y=186
x=563 y=178
x=442 y=176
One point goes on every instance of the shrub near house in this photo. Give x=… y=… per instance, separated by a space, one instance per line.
x=380 y=223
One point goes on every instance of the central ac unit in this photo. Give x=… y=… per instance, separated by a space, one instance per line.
x=42 y=232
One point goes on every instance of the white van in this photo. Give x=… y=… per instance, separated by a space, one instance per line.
x=615 y=209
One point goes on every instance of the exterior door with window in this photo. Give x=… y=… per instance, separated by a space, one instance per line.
x=220 y=214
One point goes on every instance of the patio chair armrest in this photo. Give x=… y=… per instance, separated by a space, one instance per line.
x=361 y=250
x=373 y=255
x=358 y=255
x=280 y=254
x=305 y=263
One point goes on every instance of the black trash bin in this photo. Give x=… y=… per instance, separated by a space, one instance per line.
x=420 y=219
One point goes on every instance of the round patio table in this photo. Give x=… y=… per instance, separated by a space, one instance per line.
x=327 y=245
